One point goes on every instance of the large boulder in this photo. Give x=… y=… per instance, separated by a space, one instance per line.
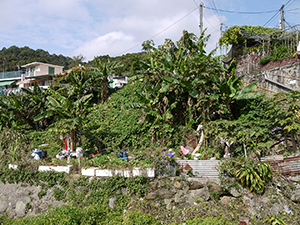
x=276 y=207
x=180 y=196
x=295 y=196
x=165 y=193
x=225 y=200
x=20 y=208
x=235 y=192
x=214 y=187
x=3 y=205
x=198 y=194
x=152 y=195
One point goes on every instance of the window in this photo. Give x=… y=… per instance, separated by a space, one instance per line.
x=32 y=69
x=51 y=70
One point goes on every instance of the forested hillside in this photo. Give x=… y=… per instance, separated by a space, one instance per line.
x=15 y=56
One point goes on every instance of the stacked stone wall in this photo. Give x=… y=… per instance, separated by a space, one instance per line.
x=274 y=77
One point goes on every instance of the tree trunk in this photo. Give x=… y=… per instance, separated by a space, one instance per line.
x=294 y=143
x=105 y=90
x=286 y=142
x=72 y=140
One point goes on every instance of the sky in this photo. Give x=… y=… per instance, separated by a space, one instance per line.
x=116 y=27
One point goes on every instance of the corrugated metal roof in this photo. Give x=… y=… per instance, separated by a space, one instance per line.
x=200 y=168
x=286 y=166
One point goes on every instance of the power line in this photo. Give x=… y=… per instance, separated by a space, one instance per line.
x=286 y=4
x=195 y=3
x=238 y=12
x=277 y=13
x=271 y=18
x=209 y=22
x=162 y=30
x=217 y=11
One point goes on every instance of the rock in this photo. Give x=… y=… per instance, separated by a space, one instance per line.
x=124 y=191
x=177 y=184
x=3 y=205
x=10 y=211
x=90 y=179
x=168 y=203
x=165 y=193
x=214 y=187
x=265 y=200
x=151 y=195
x=248 y=201
x=153 y=184
x=112 y=202
x=276 y=207
x=180 y=196
x=295 y=179
x=20 y=208
x=225 y=200
x=295 y=196
x=194 y=184
x=237 y=192
x=24 y=185
x=234 y=192
x=194 y=195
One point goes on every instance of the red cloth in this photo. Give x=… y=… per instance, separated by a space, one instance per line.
x=64 y=140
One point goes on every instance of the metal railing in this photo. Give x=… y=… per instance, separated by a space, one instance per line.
x=11 y=74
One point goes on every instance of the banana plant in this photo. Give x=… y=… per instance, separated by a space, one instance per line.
x=101 y=74
x=178 y=80
x=69 y=114
x=231 y=91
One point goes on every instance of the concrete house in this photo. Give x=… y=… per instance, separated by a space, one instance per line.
x=42 y=73
x=118 y=82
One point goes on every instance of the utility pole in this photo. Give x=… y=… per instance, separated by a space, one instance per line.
x=221 y=29
x=201 y=18
x=297 y=34
x=282 y=19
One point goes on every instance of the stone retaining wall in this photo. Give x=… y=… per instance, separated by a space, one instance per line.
x=274 y=77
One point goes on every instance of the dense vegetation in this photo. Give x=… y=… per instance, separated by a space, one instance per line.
x=173 y=88
x=276 y=43
x=14 y=57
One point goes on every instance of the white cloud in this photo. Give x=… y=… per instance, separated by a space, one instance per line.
x=94 y=28
x=110 y=43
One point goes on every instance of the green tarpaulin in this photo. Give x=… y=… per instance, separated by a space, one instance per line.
x=4 y=83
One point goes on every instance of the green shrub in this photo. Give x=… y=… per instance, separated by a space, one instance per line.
x=209 y=221
x=265 y=60
x=59 y=194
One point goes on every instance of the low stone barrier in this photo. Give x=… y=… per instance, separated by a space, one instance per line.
x=65 y=169
x=94 y=171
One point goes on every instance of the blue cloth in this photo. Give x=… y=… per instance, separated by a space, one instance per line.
x=39 y=152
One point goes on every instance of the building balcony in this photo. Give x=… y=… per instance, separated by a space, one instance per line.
x=12 y=75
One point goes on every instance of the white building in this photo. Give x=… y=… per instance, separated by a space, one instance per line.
x=42 y=73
